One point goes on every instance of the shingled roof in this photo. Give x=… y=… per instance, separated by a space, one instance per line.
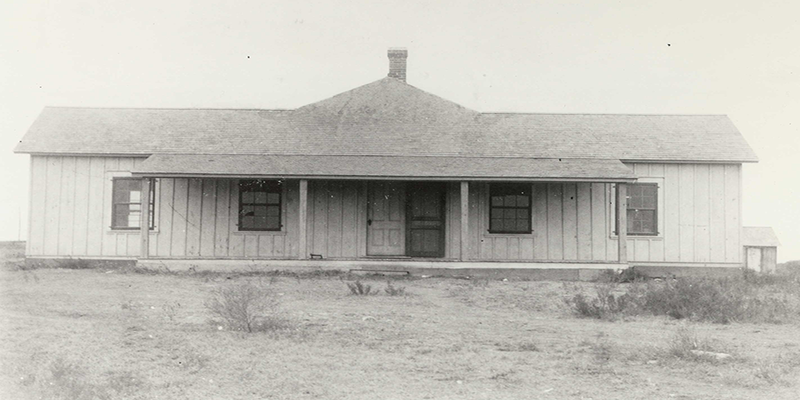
x=385 y=167
x=387 y=117
x=759 y=236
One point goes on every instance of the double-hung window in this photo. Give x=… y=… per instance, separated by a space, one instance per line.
x=510 y=208
x=127 y=203
x=260 y=205
x=643 y=209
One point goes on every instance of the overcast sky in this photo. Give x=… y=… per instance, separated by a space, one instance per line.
x=739 y=58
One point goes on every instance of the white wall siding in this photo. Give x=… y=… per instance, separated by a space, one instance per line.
x=699 y=217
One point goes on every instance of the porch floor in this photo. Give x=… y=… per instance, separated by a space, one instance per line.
x=540 y=270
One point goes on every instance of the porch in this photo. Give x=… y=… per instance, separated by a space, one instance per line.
x=415 y=222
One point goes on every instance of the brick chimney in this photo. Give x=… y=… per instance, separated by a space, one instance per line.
x=397 y=62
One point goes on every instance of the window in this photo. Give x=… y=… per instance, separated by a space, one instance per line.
x=127 y=203
x=510 y=208
x=643 y=209
x=259 y=205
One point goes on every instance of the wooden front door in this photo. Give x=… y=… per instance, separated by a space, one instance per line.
x=386 y=219
x=425 y=215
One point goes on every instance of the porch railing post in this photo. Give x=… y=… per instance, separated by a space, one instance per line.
x=302 y=216
x=622 y=222
x=144 y=220
x=464 y=221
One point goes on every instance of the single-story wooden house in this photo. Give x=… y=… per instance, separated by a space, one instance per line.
x=760 y=248
x=386 y=175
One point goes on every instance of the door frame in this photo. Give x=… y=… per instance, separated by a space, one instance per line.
x=443 y=212
x=367 y=224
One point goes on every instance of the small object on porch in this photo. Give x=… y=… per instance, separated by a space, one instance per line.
x=316 y=256
x=379 y=272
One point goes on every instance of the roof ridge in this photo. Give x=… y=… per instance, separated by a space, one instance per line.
x=615 y=114
x=294 y=109
x=174 y=108
x=386 y=155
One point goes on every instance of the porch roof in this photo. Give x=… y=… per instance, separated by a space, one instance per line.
x=384 y=167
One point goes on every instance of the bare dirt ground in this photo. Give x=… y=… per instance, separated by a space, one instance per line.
x=111 y=334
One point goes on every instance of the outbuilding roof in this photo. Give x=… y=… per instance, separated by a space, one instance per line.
x=759 y=236
x=387 y=117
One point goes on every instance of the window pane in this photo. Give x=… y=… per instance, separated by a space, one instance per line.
x=522 y=201
x=649 y=197
x=497 y=201
x=120 y=218
x=248 y=211
x=135 y=196
x=632 y=228
x=248 y=198
x=260 y=211
x=522 y=226
x=647 y=224
x=510 y=225
x=247 y=222
x=273 y=223
x=522 y=214
x=497 y=213
x=273 y=211
x=510 y=201
x=260 y=222
x=133 y=219
x=260 y=198
x=496 y=225
x=634 y=202
x=273 y=198
x=510 y=213
x=641 y=221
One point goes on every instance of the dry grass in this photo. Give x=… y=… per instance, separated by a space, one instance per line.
x=130 y=335
x=748 y=297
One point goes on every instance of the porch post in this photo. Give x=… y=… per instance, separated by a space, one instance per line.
x=144 y=219
x=622 y=222
x=302 y=251
x=464 y=221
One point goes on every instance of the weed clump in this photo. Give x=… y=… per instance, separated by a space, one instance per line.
x=392 y=290
x=246 y=307
x=604 y=305
x=358 y=288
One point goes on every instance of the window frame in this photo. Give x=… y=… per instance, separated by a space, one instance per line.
x=279 y=185
x=502 y=189
x=114 y=204
x=655 y=210
x=657 y=221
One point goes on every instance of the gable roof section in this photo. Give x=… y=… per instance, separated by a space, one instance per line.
x=759 y=236
x=384 y=167
x=386 y=118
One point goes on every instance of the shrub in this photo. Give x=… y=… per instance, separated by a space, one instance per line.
x=391 y=290
x=626 y=275
x=721 y=300
x=604 y=305
x=359 y=289
x=245 y=307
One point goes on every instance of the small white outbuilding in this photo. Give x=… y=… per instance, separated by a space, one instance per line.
x=760 y=248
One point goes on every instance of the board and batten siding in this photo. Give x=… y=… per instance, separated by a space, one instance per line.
x=337 y=219
x=699 y=219
x=70 y=215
